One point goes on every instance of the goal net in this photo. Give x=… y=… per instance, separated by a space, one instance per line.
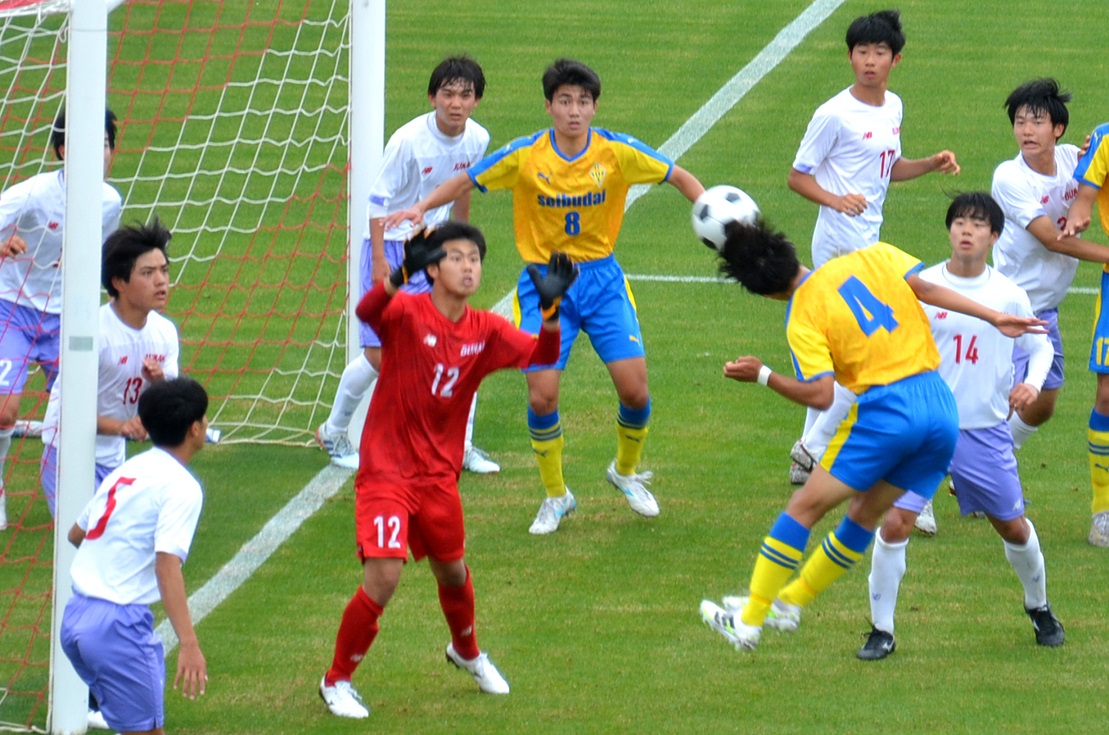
x=234 y=131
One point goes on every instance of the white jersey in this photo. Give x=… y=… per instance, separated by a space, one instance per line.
x=1024 y=195
x=151 y=504
x=35 y=210
x=976 y=359
x=418 y=158
x=850 y=147
x=120 y=381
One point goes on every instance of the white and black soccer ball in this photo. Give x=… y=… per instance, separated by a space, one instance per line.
x=718 y=207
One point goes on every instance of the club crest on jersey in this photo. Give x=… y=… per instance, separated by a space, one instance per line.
x=53 y=225
x=431 y=340
x=598 y=174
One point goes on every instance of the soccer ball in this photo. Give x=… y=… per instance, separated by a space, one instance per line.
x=718 y=207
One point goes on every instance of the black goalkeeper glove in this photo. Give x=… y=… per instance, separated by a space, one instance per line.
x=418 y=255
x=561 y=274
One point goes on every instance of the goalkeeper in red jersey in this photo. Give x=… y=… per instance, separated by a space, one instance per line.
x=435 y=352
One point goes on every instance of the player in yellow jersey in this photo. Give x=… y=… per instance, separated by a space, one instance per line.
x=569 y=186
x=1093 y=185
x=857 y=321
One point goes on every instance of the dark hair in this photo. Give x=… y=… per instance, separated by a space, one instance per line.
x=761 y=259
x=168 y=408
x=883 y=26
x=457 y=69
x=57 y=132
x=567 y=72
x=976 y=205
x=125 y=246
x=455 y=230
x=1039 y=96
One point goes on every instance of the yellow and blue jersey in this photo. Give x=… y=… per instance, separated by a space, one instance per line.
x=573 y=204
x=1093 y=170
x=856 y=318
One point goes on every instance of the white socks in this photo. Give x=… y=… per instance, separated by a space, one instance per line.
x=357 y=379
x=887 y=567
x=1028 y=562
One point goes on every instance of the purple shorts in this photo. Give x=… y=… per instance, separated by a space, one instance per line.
x=394 y=256
x=27 y=335
x=48 y=476
x=1020 y=357
x=114 y=650
x=984 y=471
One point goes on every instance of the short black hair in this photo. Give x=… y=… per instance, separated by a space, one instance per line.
x=567 y=72
x=457 y=69
x=57 y=132
x=125 y=246
x=168 y=408
x=976 y=205
x=455 y=230
x=1040 y=96
x=883 y=26
x=761 y=259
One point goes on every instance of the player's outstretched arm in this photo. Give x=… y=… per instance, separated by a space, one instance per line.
x=806 y=185
x=944 y=298
x=688 y=184
x=943 y=162
x=818 y=393
x=1043 y=229
x=1081 y=211
x=552 y=286
x=445 y=193
x=192 y=669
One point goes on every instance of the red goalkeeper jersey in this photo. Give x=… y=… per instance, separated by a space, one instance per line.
x=430 y=369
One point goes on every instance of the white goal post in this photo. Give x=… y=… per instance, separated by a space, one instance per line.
x=85 y=37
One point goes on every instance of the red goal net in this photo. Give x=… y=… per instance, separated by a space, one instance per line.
x=233 y=130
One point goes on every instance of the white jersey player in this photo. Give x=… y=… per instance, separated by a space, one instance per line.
x=32 y=229
x=845 y=163
x=1035 y=190
x=419 y=156
x=850 y=147
x=132 y=538
x=137 y=346
x=976 y=361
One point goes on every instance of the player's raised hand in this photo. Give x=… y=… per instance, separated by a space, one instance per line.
x=551 y=287
x=420 y=251
x=1014 y=326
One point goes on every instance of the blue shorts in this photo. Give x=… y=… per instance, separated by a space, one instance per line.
x=48 y=476
x=984 y=472
x=600 y=303
x=114 y=650
x=1020 y=357
x=1099 y=345
x=394 y=256
x=27 y=335
x=903 y=433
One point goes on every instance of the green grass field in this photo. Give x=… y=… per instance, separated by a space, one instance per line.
x=596 y=626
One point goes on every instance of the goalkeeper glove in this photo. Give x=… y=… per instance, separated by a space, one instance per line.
x=561 y=274
x=419 y=253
